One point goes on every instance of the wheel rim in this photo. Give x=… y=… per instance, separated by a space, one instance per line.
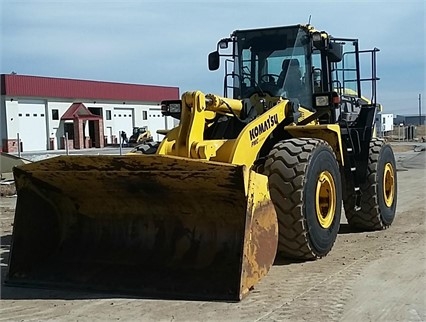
x=389 y=184
x=325 y=199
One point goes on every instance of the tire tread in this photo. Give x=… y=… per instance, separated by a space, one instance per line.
x=286 y=168
x=369 y=217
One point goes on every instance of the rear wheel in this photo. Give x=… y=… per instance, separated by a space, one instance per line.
x=305 y=187
x=378 y=200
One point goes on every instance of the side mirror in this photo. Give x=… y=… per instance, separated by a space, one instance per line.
x=214 y=60
x=335 y=52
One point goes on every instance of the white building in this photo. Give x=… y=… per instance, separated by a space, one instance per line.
x=40 y=110
x=384 y=123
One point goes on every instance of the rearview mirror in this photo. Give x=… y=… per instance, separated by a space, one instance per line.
x=335 y=52
x=214 y=60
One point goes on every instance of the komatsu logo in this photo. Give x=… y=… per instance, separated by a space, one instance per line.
x=264 y=126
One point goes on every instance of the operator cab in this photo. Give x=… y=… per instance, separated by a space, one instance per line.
x=298 y=63
x=273 y=61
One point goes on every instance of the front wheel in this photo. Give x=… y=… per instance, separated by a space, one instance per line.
x=305 y=187
x=379 y=191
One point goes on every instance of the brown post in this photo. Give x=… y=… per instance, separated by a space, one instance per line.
x=99 y=133
x=10 y=145
x=78 y=134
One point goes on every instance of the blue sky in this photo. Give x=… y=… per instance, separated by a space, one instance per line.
x=167 y=42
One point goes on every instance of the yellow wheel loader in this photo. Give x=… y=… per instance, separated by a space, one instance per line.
x=259 y=171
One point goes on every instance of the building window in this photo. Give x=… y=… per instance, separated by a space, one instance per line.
x=108 y=115
x=144 y=115
x=96 y=110
x=55 y=114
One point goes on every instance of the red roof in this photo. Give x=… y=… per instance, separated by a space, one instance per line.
x=49 y=87
x=79 y=110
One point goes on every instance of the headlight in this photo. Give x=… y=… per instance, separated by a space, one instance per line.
x=171 y=108
x=316 y=37
x=322 y=101
x=174 y=108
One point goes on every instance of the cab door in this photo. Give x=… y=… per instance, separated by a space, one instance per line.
x=345 y=75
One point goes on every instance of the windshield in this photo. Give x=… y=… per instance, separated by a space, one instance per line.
x=275 y=61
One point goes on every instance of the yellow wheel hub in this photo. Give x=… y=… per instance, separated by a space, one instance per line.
x=325 y=199
x=388 y=184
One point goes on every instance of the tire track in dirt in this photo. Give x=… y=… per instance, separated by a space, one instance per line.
x=322 y=306
x=333 y=287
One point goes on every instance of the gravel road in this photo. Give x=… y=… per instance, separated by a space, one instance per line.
x=374 y=276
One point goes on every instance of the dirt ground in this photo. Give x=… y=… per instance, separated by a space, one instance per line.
x=368 y=276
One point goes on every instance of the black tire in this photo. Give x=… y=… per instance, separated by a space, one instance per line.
x=294 y=168
x=147 y=148
x=379 y=192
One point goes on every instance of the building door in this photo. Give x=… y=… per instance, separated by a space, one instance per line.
x=109 y=135
x=123 y=121
x=32 y=126
x=92 y=134
x=156 y=121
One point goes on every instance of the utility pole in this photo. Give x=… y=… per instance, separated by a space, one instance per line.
x=420 y=109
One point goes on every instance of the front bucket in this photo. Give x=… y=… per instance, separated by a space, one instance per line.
x=153 y=226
